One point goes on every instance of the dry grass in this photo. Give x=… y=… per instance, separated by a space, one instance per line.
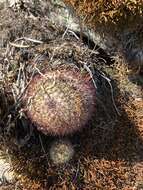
x=108 y=152
x=104 y=11
x=121 y=20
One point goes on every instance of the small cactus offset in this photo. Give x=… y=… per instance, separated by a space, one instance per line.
x=61 y=101
x=61 y=152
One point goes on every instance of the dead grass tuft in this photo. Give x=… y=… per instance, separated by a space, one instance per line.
x=104 y=11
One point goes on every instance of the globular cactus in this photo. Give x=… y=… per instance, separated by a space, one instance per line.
x=61 y=101
x=61 y=152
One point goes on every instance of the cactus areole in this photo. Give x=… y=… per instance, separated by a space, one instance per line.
x=61 y=101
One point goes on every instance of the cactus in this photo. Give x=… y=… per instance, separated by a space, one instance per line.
x=61 y=101
x=61 y=152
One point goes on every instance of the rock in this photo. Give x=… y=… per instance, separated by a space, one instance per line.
x=6 y=170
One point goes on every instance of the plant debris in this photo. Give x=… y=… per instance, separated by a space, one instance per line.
x=108 y=152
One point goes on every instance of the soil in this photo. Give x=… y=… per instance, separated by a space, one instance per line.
x=108 y=152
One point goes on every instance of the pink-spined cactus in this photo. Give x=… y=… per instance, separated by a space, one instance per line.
x=61 y=101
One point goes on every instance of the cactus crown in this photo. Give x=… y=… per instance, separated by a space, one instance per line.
x=61 y=152
x=61 y=101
